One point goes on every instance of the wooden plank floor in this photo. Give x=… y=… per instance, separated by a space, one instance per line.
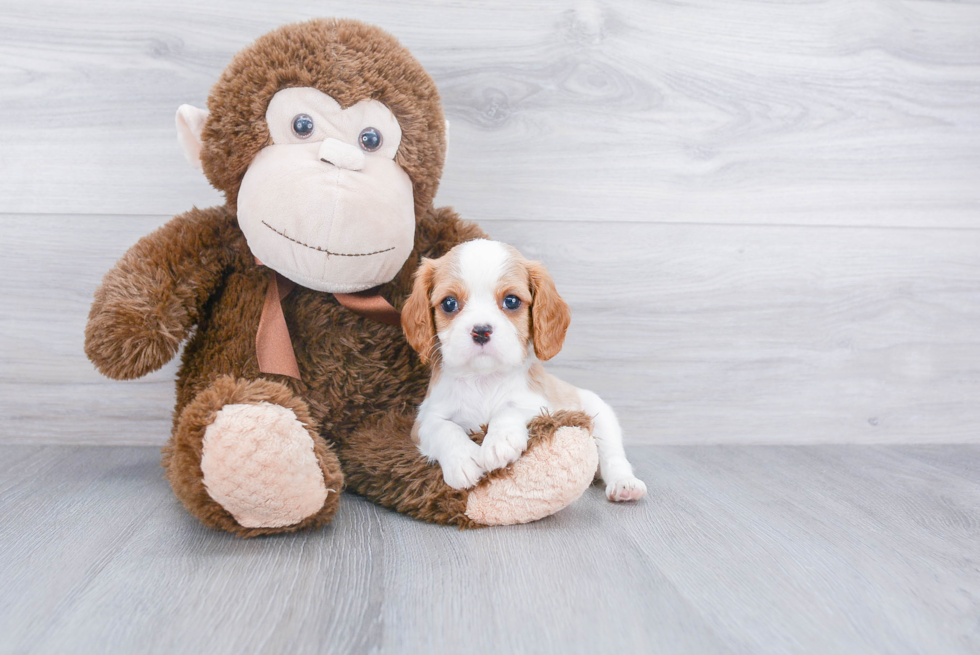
x=738 y=549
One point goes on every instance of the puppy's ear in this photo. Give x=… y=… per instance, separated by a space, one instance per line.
x=420 y=330
x=550 y=314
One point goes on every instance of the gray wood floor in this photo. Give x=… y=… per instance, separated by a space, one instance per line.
x=738 y=549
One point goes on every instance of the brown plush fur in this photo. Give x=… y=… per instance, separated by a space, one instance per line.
x=182 y=456
x=142 y=312
x=347 y=60
x=195 y=277
x=381 y=456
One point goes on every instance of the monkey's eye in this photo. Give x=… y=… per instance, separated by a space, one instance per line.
x=369 y=139
x=449 y=304
x=512 y=302
x=302 y=126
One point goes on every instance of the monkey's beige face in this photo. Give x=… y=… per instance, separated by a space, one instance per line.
x=325 y=204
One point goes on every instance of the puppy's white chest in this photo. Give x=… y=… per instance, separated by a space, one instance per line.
x=471 y=416
x=474 y=402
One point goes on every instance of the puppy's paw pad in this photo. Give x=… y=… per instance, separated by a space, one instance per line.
x=463 y=474
x=625 y=489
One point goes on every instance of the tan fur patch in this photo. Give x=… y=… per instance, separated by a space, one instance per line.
x=550 y=315
x=417 y=318
x=514 y=281
x=560 y=394
x=452 y=287
x=423 y=316
x=446 y=282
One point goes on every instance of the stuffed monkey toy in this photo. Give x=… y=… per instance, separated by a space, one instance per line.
x=327 y=139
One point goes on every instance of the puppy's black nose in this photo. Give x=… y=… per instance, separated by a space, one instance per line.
x=481 y=333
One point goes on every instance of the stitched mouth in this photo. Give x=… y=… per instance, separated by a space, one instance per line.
x=324 y=250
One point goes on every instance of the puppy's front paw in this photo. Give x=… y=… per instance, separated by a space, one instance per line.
x=503 y=446
x=625 y=489
x=462 y=474
x=462 y=466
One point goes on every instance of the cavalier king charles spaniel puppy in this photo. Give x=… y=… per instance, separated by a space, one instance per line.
x=485 y=318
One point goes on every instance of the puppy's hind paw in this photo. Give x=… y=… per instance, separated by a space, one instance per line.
x=625 y=489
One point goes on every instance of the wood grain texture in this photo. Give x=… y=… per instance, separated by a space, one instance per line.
x=820 y=113
x=829 y=549
x=694 y=333
x=49 y=391
x=765 y=216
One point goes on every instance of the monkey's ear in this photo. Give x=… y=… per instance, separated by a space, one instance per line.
x=190 y=124
x=417 y=323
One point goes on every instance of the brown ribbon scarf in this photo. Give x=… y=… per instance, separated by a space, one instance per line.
x=273 y=347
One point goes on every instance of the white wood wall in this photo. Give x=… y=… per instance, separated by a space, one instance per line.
x=766 y=216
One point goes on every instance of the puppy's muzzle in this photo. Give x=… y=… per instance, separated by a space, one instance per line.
x=481 y=333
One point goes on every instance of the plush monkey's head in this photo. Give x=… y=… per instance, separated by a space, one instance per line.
x=328 y=139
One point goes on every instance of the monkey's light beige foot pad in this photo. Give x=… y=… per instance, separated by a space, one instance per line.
x=258 y=463
x=547 y=478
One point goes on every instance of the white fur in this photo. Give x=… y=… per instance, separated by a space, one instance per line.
x=481 y=264
x=490 y=385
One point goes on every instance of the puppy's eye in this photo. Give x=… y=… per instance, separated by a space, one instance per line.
x=512 y=302
x=369 y=139
x=449 y=304
x=302 y=126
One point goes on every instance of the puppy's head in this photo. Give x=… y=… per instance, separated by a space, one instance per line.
x=481 y=306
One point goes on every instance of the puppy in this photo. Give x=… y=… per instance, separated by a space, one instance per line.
x=486 y=317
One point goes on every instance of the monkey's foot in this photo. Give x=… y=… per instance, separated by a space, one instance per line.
x=258 y=463
x=245 y=458
x=557 y=468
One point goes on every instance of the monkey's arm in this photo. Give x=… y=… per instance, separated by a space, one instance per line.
x=149 y=301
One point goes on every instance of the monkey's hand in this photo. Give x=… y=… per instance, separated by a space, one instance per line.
x=150 y=300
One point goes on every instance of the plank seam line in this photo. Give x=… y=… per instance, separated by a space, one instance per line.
x=497 y=219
